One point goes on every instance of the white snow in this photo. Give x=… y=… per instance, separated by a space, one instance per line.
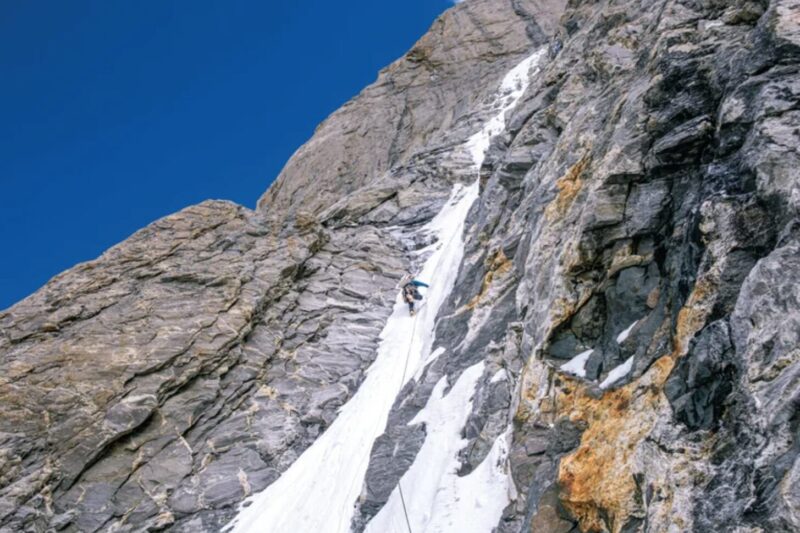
x=624 y=335
x=428 y=360
x=438 y=500
x=577 y=365
x=318 y=491
x=500 y=375
x=618 y=373
x=708 y=24
x=511 y=89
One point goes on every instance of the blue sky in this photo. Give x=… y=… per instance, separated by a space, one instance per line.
x=115 y=113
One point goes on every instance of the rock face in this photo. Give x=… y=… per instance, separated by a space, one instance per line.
x=630 y=284
x=426 y=98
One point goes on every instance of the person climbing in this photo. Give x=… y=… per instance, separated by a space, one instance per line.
x=411 y=294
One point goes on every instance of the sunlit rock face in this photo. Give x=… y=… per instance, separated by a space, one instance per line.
x=617 y=348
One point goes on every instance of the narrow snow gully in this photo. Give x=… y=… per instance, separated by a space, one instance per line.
x=435 y=498
x=318 y=491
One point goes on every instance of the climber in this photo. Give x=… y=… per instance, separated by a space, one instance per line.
x=410 y=288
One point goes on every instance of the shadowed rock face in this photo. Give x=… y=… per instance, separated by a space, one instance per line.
x=647 y=178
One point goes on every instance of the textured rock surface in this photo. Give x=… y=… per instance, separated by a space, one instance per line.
x=646 y=183
x=184 y=369
x=632 y=189
x=427 y=98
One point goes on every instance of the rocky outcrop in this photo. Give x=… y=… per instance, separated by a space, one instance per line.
x=630 y=285
x=184 y=369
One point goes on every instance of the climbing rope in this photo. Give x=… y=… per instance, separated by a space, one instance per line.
x=402 y=383
x=405 y=511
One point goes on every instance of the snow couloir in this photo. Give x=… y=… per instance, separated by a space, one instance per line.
x=318 y=491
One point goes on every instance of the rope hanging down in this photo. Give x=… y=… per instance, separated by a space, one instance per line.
x=402 y=381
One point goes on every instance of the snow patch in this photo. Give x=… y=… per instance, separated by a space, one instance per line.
x=709 y=24
x=500 y=375
x=577 y=365
x=618 y=373
x=624 y=335
x=437 y=499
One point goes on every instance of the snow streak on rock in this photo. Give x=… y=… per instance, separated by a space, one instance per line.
x=618 y=373
x=624 y=335
x=577 y=365
x=318 y=491
x=509 y=93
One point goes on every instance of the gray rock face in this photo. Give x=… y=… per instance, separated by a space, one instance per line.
x=626 y=195
x=184 y=369
x=642 y=202
x=423 y=99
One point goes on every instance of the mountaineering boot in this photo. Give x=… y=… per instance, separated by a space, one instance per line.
x=412 y=313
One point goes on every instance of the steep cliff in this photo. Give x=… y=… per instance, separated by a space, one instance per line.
x=604 y=197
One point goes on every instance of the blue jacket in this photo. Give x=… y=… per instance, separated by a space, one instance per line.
x=418 y=283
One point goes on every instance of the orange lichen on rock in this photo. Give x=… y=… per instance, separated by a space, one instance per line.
x=597 y=479
x=693 y=314
x=498 y=265
x=568 y=185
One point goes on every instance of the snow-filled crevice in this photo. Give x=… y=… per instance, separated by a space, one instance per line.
x=577 y=365
x=318 y=491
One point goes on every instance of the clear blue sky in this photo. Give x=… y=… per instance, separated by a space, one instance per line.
x=114 y=113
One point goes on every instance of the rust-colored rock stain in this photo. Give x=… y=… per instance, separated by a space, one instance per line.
x=568 y=185
x=597 y=484
x=498 y=265
x=596 y=480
